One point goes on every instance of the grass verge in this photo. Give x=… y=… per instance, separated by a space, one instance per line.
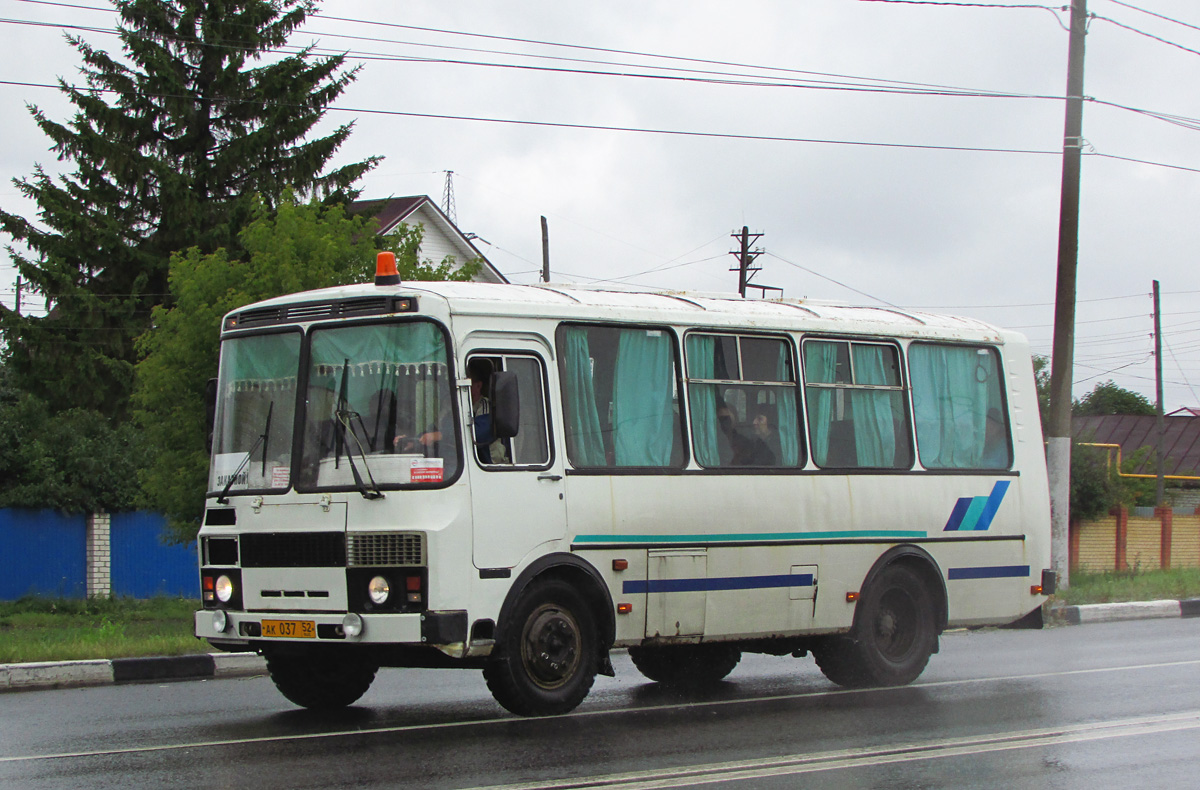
x=1132 y=585
x=61 y=629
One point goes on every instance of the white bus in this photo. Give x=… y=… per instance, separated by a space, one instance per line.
x=520 y=479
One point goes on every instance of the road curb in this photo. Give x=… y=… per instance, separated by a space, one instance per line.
x=104 y=672
x=1114 y=612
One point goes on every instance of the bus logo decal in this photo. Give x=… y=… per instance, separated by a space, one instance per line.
x=975 y=514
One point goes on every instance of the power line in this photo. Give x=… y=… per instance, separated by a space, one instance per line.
x=1154 y=14
x=830 y=279
x=1132 y=29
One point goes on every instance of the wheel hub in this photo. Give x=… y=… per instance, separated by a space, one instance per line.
x=550 y=648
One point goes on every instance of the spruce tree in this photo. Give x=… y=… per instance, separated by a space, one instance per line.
x=171 y=144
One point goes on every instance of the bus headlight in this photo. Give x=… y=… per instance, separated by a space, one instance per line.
x=220 y=621
x=378 y=590
x=224 y=589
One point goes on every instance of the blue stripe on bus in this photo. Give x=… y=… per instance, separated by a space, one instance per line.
x=717 y=583
x=752 y=536
x=991 y=572
x=975 y=514
x=992 y=505
x=956 y=515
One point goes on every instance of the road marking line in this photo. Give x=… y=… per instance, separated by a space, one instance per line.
x=744 y=770
x=578 y=714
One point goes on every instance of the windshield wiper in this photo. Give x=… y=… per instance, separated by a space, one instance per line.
x=344 y=429
x=343 y=422
x=262 y=440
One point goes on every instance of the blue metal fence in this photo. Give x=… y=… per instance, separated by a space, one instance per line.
x=42 y=552
x=144 y=565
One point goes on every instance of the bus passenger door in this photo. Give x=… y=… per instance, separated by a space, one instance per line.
x=516 y=485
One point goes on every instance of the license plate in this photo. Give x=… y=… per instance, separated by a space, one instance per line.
x=290 y=629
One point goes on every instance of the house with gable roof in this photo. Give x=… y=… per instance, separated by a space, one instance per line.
x=442 y=237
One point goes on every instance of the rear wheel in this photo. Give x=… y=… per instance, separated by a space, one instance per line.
x=894 y=634
x=692 y=666
x=322 y=680
x=548 y=653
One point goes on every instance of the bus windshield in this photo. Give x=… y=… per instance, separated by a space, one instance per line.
x=379 y=408
x=252 y=437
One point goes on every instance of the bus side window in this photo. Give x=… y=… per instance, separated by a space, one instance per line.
x=959 y=407
x=742 y=396
x=620 y=396
x=857 y=415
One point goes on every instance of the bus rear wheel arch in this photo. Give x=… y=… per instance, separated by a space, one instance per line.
x=896 y=627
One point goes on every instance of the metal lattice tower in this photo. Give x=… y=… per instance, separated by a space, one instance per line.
x=448 y=198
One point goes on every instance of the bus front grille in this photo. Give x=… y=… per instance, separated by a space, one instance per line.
x=294 y=550
x=385 y=550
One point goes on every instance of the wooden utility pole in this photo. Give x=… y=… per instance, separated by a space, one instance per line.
x=1160 y=445
x=745 y=257
x=1062 y=361
x=18 y=305
x=545 y=251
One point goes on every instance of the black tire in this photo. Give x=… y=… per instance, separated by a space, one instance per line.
x=690 y=666
x=894 y=634
x=548 y=654
x=321 y=680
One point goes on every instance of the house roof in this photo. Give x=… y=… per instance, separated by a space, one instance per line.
x=1181 y=443
x=392 y=211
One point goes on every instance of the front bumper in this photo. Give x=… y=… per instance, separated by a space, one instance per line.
x=431 y=628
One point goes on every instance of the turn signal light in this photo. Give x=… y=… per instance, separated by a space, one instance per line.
x=620 y=565
x=1035 y=589
x=851 y=597
x=624 y=608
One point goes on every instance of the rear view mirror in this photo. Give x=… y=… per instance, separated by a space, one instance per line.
x=506 y=405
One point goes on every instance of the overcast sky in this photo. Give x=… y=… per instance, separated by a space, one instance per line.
x=899 y=194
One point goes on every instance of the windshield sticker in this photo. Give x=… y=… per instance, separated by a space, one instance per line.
x=280 y=476
x=427 y=470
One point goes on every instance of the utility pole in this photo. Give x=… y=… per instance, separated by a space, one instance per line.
x=745 y=257
x=1160 y=446
x=448 y=206
x=545 y=251
x=18 y=305
x=1062 y=361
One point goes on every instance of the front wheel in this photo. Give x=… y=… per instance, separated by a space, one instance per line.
x=548 y=654
x=894 y=634
x=690 y=666
x=321 y=680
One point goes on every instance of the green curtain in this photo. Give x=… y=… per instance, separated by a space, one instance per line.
x=873 y=410
x=702 y=398
x=643 y=417
x=950 y=387
x=585 y=445
x=266 y=360
x=820 y=365
x=789 y=435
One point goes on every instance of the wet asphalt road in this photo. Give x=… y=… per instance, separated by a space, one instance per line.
x=1070 y=707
